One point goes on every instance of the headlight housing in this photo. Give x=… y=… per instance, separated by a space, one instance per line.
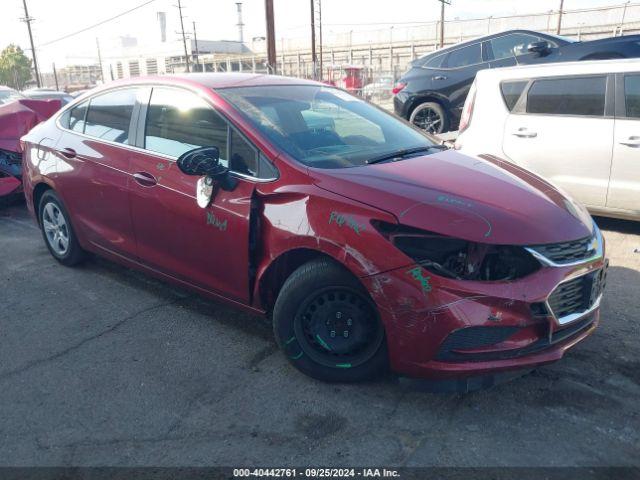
x=460 y=259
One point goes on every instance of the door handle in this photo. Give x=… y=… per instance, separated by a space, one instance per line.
x=145 y=179
x=68 y=152
x=440 y=77
x=631 y=142
x=524 y=133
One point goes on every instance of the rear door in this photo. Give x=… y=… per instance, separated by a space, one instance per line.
x=93 y=159
x=459 y=69
x=563 y=130
x=208 y=247
x=624 y=189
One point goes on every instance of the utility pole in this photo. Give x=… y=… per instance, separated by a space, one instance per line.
x=442 y=4
x=271 y=37
x=195 y=39
x=184 y=38
x=560 y=16
x=320 y=32
x=99 y=60
x=55 y=75
x=27 y=19
x=314 y=58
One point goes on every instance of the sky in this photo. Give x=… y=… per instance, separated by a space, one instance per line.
x=216 y=20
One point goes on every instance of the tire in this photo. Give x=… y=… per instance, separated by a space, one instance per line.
x=328 y=326
x=431 y=117
x=57 y=231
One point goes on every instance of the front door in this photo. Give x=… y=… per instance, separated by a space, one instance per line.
x=624 y=189
x=565 y=136
x=207 y=247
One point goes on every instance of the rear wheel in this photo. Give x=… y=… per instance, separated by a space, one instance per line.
x=431 y=117
x=328 y=326
x=57 y=230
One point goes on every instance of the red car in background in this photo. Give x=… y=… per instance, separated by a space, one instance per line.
x=366 y=242
x=18 y=115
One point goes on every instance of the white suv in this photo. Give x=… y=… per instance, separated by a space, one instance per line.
x=576 y=124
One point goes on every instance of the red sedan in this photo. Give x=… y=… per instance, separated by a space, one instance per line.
x=369 y=245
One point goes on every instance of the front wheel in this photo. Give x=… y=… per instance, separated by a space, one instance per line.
x=57 y=230
x=431 y=117
x=328 y=326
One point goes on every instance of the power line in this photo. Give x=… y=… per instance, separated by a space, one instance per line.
x=64 y=37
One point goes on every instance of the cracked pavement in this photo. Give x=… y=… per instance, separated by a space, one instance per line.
x=101 y=365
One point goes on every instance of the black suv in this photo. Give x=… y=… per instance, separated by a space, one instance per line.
x=432 y=93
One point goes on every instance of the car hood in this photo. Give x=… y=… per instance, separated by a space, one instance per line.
x=485 y=200
x=20 y=116
x=608 y=40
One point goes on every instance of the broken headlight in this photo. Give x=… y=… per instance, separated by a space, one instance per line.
x=460 y=259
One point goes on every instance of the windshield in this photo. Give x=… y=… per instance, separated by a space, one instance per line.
x=323 y=127
x=9 y=95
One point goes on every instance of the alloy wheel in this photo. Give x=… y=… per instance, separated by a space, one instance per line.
x=55 y=228
x=428 y=119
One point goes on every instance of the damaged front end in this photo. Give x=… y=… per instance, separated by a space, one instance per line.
x=460 y=259
x=466 y=309
x=10 y=173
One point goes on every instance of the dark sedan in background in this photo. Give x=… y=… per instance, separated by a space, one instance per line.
x=431 y=94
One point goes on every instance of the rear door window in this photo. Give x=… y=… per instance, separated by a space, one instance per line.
x=584 y=96
x=435 y=62
x=632 y=95
x=463 y=57
x=511 y=92
x=77 y=117
x=109 y=115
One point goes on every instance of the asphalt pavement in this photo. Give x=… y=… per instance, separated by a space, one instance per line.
x=101 y=365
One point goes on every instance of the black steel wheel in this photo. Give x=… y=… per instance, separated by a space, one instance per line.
x=328 y=326
x=338 y=327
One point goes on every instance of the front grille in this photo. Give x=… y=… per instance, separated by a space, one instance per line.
x=567 y=252
x=577 y=295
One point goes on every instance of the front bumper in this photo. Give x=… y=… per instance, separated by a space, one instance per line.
x=10 y=173
x=442 y=328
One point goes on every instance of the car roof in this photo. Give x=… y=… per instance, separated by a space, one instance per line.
x=235 y=79
x=563 y=68
x=493 y=35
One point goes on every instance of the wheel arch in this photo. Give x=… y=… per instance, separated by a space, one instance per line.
x=273 y=276
x=428 y=97
x=38 y=191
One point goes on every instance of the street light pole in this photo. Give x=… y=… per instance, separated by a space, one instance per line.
x=27 y=19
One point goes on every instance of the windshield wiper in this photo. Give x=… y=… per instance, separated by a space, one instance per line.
x=404 y=153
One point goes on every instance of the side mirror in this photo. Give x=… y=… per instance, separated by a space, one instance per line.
x=201 y=162
x=204 y=162
x=538 y=47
